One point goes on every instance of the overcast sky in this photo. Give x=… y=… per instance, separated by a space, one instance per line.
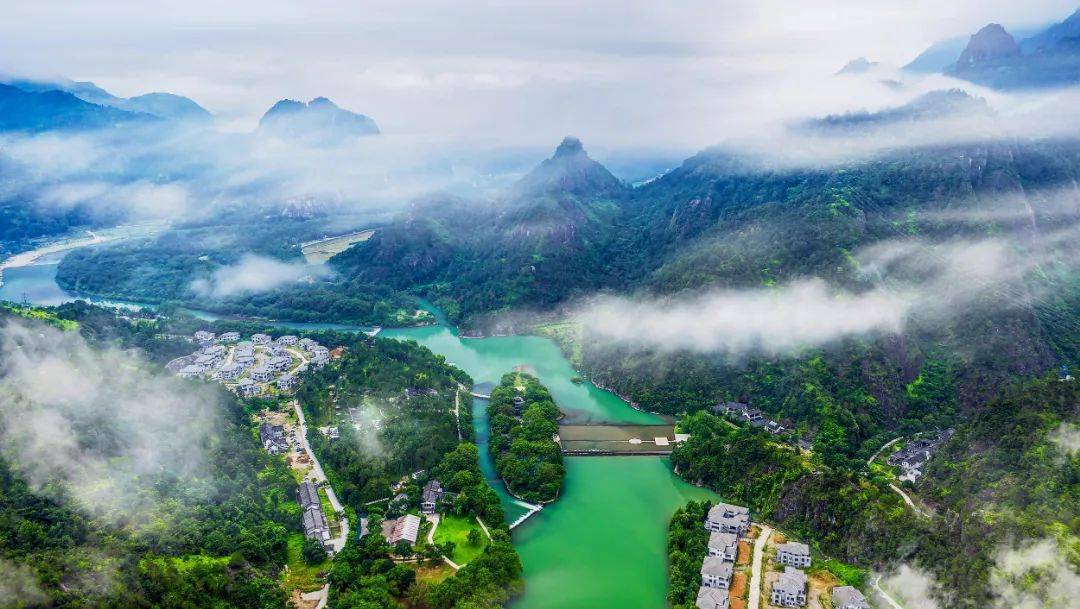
x=677 y=73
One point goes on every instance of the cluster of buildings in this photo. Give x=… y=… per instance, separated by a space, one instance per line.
x=754 y=416
x=913 y=457
x=313 y=520
x=726 y=523
x=252 y=365
x=789 y=590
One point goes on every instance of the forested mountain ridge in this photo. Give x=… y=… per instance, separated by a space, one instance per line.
x=539 y=243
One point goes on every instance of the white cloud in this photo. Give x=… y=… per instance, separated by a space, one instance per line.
x=19 y=586
x=254 y=274
x=804 y=313
x=1034 y=575
x=1067 y=438
x=913 y=588
x=97 y=426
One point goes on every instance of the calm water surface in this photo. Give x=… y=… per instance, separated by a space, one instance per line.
x=603 y=543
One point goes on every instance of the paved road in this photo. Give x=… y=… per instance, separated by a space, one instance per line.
x=319 y=476
x=755 y=573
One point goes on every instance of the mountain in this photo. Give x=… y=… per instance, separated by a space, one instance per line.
x=319 y=119
x=938 y=57
x=1052 y=37
x=165 y=105
x=989 y=44
x=162 y=105
x=994 y=59
x=85 y=90
x=929 y=106
x=540 y=242
x=29 y=111
x=570 y=171
x=857 y=66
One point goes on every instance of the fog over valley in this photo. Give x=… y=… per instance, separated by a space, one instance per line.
x=540 y=305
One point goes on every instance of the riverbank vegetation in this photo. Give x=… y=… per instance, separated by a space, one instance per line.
x=523 y=420
x=687 y=544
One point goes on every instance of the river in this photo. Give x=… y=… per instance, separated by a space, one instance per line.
x=603 y=542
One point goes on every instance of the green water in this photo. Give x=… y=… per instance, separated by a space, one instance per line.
x=603 y=543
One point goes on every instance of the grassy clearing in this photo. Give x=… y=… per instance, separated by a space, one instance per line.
x=48 y=317
x=456 y=529
x=434 y=575
x=566 y=334
x=300 y=575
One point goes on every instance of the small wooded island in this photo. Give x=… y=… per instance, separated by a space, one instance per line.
x=523 y=420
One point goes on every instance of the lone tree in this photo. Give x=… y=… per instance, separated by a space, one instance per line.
x=313 y=552
x=474 y=537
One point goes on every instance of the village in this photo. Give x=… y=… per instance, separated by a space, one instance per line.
x=912 y=458
x=745 y=559
x=259 y=366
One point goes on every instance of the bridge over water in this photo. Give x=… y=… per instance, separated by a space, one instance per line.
x=597 y=440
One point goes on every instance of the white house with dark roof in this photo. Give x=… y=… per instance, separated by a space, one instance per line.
x=724 y=545
x=430 y=496
x=247 y=388
x=286 y=382
x=712 y=598
x=262 y=374
x=231 y=371
x=793 y=554
x=279 y=363
x=203 y=336
x=716 y=572
x=288 y=339
x=191 y=371
x=320 y=355
x=728 y=518
x=847 y=597
x=306 y=344
x=260 y=339
x=229 y=337
x=789 y=590
x=218 y=350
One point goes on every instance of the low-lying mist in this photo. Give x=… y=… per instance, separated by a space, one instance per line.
x=99 y=429
x=892 y=282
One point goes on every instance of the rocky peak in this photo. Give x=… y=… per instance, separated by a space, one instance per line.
x=569 y=171
x=570 y=146
x=990 y=43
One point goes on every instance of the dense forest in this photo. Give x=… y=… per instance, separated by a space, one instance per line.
x=973 y=485
x=523 y=420
x=220 y=533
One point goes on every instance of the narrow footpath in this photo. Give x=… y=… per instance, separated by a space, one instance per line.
x=754 y=600
x=908 y=500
